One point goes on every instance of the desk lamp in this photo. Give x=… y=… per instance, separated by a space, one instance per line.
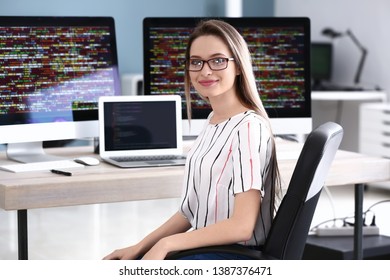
x=334 y=34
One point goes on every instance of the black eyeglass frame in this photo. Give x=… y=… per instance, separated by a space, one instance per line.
x=227 y=59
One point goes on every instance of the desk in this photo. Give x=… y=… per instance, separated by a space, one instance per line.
x=341 y=247
x=105 y=183
x=343 y=107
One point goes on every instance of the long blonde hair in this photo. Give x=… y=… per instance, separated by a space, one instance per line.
x=245 y=82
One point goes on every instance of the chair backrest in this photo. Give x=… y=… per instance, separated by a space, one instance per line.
x=290 y=228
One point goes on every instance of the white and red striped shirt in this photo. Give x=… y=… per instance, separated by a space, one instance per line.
x=226 y=159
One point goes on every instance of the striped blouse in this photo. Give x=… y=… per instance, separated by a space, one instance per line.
x=228 y=158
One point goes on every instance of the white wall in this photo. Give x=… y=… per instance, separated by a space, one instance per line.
x=369 y=20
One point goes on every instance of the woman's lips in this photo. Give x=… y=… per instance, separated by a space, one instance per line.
x=207 y=83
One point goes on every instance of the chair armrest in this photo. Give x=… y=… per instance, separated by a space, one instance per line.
x=231 y=249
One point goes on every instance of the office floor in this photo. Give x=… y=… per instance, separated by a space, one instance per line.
x=91 y=231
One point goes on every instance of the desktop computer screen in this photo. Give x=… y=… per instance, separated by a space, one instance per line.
x=321 y=63
x=53 y=70
x=280 y=50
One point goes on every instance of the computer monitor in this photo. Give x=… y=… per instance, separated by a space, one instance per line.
x=321 y=63
x=52 y=71
x=280 y=50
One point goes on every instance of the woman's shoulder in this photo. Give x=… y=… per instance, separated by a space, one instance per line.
x=257 y=122
x=255 y=118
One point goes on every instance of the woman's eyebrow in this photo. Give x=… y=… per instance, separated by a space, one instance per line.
x=213 y=55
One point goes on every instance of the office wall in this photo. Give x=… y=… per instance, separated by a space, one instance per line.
x=128 y=15
x=368 y=20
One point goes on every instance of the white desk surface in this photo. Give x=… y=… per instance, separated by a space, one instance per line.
x=348 y=95
x=105 y=183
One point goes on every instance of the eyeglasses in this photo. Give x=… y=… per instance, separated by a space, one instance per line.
x=215 y=64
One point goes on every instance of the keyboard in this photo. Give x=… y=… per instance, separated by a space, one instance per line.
x=41 y=166
x=147 y=158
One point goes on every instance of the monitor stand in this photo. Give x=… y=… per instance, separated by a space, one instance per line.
x=29 y=152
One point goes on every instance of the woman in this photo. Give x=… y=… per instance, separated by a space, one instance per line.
x=231 y=175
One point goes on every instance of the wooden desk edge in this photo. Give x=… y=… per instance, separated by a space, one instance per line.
x=106 y=184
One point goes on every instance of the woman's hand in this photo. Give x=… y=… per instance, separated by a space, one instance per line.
x=128 y=253
x=156 y=242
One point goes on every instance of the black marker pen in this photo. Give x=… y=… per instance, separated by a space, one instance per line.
x=65 y=173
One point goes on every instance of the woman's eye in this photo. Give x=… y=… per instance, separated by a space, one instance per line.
x=218 y=60
x=196 y=62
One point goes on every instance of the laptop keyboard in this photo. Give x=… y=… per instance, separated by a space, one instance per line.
x=147 y=158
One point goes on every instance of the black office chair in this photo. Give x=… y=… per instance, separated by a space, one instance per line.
x=289 y=230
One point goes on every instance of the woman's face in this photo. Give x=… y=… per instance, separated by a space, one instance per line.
x=207 y=82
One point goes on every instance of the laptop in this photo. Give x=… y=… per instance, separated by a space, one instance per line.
x=141 y=131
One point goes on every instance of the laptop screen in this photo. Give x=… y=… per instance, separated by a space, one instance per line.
x=139 y=125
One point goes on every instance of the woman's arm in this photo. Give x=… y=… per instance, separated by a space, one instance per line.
x=237 y=228
x=176 y=224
